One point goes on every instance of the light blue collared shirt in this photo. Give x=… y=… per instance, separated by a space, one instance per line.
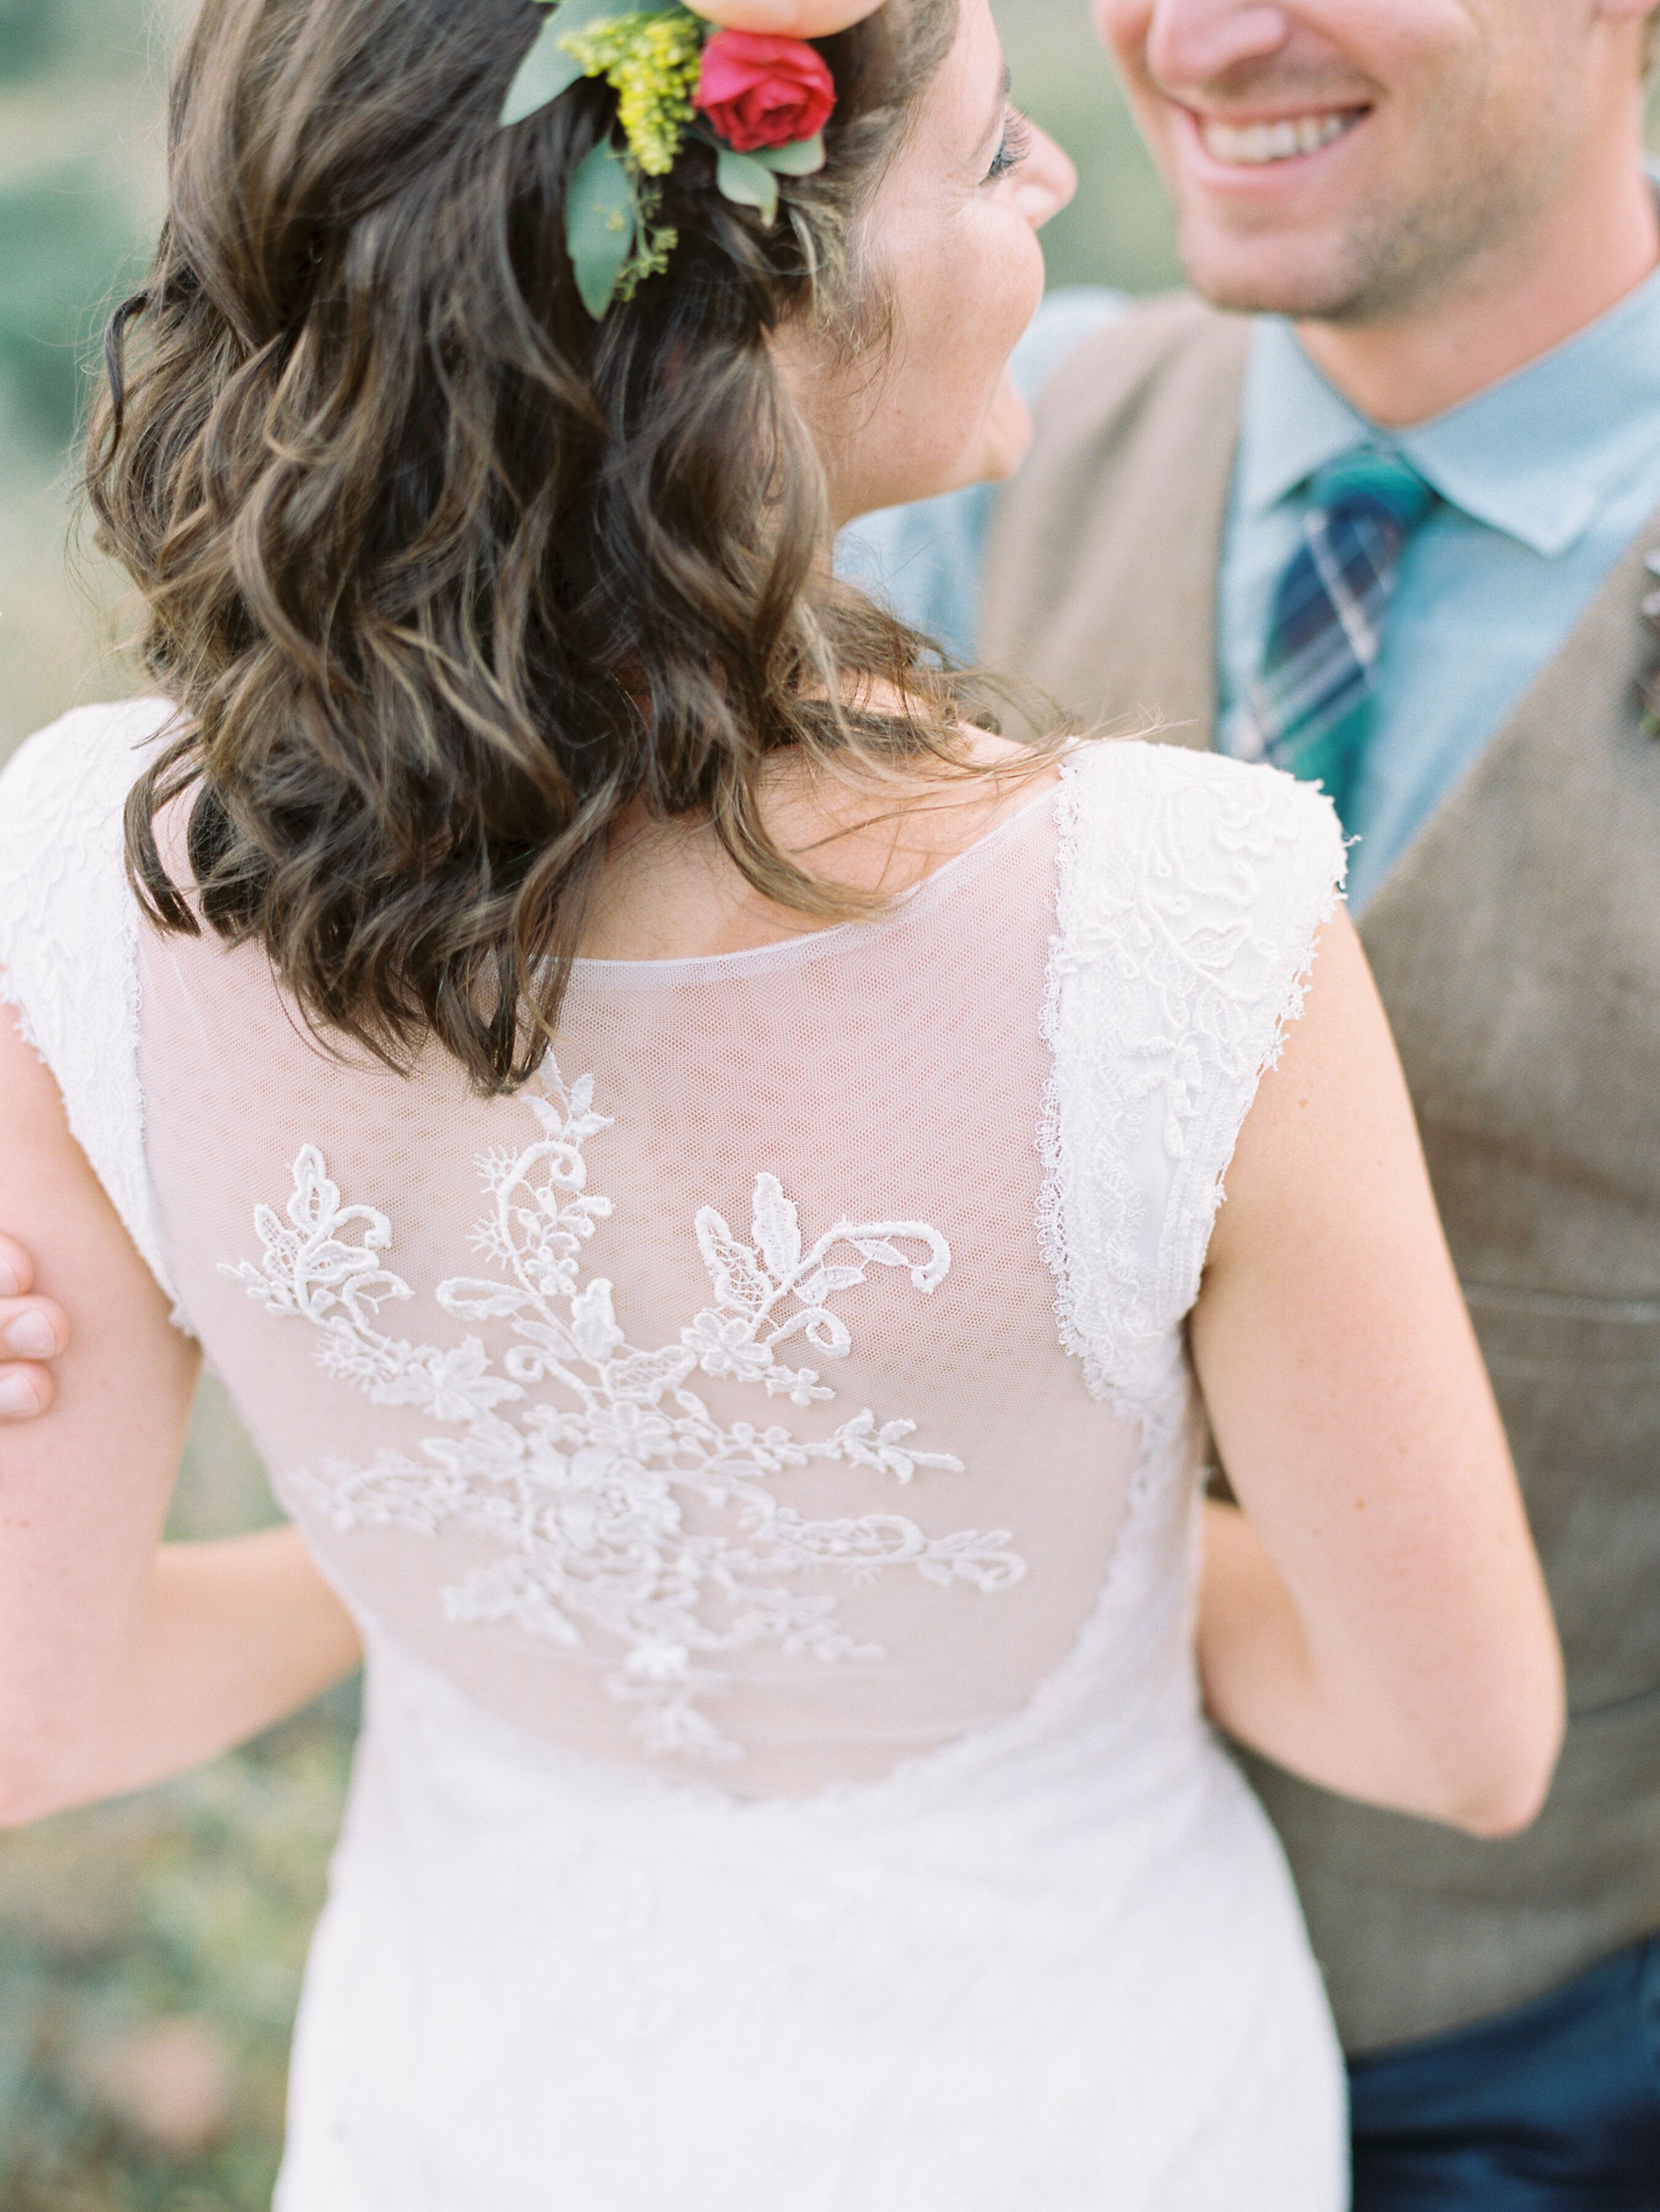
x=1546 y=478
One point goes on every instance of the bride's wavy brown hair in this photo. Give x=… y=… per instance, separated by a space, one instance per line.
x=443 y=575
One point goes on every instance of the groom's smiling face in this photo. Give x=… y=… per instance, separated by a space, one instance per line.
x=1349 y=159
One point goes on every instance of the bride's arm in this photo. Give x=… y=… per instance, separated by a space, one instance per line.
x=1375 y=1619
x=123 y=1660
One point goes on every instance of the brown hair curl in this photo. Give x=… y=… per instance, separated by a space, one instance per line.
x=444 y=575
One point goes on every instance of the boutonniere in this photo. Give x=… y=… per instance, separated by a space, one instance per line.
x=1649 y=687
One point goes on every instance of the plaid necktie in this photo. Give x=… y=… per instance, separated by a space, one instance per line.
x=1309 y=708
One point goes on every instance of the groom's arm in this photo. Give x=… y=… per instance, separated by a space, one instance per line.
x=926 y=562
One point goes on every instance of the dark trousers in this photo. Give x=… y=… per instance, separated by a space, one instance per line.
x=1554 y=2107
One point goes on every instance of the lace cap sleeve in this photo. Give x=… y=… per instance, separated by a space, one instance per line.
x=1191 y=889
x=68 y=938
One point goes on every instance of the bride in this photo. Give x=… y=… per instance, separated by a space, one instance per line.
x=701 y=1168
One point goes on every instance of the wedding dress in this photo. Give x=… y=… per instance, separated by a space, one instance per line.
x=763 y=1460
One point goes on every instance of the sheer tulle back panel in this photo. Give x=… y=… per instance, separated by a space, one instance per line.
x=704 y=1404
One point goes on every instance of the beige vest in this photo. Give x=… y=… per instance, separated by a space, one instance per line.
x=1517 y=947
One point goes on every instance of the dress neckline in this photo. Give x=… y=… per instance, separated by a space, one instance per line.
x=602 y=975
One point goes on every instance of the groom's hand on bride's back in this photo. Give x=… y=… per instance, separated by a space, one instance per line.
x=32 y=1330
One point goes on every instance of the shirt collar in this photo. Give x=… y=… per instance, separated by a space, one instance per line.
x=1533 y=456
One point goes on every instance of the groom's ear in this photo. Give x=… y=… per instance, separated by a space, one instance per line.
x=32 y=1330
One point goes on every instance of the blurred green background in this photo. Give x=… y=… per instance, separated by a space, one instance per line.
x=150 y=1951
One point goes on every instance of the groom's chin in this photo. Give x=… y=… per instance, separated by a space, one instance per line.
x=1303 y=279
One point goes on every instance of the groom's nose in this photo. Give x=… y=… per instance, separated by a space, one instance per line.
x=1192 y=43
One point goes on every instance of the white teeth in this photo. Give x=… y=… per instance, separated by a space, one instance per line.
x=1253 y=144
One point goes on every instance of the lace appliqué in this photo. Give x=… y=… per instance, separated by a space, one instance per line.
x=584 y=1492
x=1191 y=891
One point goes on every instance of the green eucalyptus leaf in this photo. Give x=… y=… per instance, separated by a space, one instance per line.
x=747 y=182
x=803 y=158
x=577 y=14
x=546 y=71
x=602 y=218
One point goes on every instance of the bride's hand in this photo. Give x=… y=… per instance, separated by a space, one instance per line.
x=785 y=19
x=32 y=1331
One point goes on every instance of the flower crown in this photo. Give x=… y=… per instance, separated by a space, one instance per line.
x=761 y=101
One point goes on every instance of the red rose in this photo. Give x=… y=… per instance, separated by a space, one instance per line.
x=760 y=91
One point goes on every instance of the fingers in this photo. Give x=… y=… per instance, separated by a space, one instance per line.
x=16 y=1269
x=31 y=1330
x=786 y=19
x=25 y=1391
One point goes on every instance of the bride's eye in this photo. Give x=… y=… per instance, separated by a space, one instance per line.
x=1015 y=145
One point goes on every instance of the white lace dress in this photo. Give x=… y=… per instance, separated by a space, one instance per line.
x=763 y=1460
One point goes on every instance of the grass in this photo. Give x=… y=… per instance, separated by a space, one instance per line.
x=150 y=1951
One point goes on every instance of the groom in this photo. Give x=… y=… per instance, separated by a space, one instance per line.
x=1376 y=504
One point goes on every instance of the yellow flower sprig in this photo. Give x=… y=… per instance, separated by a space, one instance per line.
x=651 y=62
